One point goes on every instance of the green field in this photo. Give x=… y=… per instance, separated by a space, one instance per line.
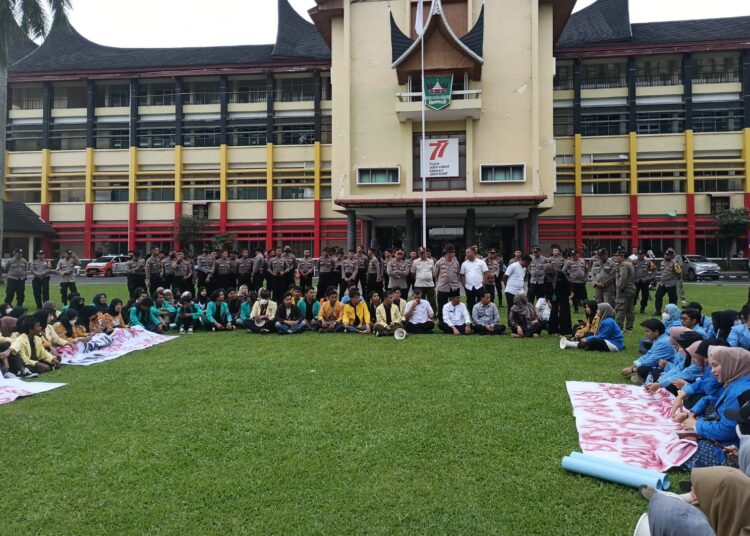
x=315 y=434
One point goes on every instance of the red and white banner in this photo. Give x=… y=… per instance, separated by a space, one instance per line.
x=440 y=158
x=103 y=348
x=12 y=389
x=625 y=423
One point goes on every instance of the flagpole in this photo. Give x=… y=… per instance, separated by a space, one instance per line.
x=421 y=150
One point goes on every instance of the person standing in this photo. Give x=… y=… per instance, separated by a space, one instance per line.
x=558 y=292
x=384 y=262
x=604 y=278
x=40 y=270
x=474 y=274
x=223 y=272
x=398 y=271
x=680 y=285
x=514 y=278
x=136 y=272
x=536 y=274
x=291 y=263
x=670 y=274
x=206 y=264
x=259 y=266
x=154 y=272
x=306 y=270
x=423 y=269
x=496 y=269
x=577 y=273
x=166 y=268
x=556 y=259
x=349 y=271
x=446 y=273
x=18 y=270
x=66 y=268
x=325 y=268
x=410 y=274
x=625 y=288
x=277 y=266
x=245 y=269
x=645 y=273
x=183 y=275
x=374 y=272
x=361 y=268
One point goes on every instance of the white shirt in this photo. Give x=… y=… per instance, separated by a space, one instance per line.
x=543 y=309
x=473 y=272
x=516 y=275
x=456 y=315
x=422 y=270
x=422 y=311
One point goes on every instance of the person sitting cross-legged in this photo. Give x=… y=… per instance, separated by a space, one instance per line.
x=188 y=315
x=486 y=316
x=388 y=317
x=217 y=313
x=420 y=318
x=263 y=314
x=660 y=352
x=608 y=337
x=246 y=309
x=28 y=345
x=455 y=319
x=356 y=316
x=289 y=318
x=524 y=320
x=310 y=308
x=331 y=312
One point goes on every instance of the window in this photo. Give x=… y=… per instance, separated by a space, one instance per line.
x=109 y=96
x=665 y=119
x=293 y=192
x=200 y=211
x=247 y=194
x=719 y=204
x=659 y=71
x=718 y=117
x=246 y=91
x=296 y=89
x=379 y=176
x=563 y=121
x=603 y=75
x=503 y=173
x=156 y=194
x=201 y=194
x=604 y=121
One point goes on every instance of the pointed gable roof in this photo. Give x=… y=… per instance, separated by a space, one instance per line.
x=296 y=37
x=602 y=21
x=19 y=218
x=20 y=46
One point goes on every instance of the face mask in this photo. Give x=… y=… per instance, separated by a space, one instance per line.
x=665 y=317
x=72 y=322
x=264 y=302
x=7 y=311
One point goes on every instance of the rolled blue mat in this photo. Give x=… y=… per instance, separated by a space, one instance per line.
x=650 y=473
x=634 y=479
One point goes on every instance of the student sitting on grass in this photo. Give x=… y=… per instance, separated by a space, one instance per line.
x=608 y=337
x=682 y=370
x=691 y=319
x=372 y=306
x=356 y=315
x=486 y=316
x=310 y=308
x=188 y=316
x=233 y=302
x=138 y=295
x=202 y=299
x=50 y=334
x=590 y=325
x=705 y=322
x=670 y=317
x=661 y=351
x=43 y=318
x=524 y=320
x=705 y=385
x=739 y=335
x=263 y=314
x=420 y=318
x=246 y=308
x=289 y=318
x=100 y=302
x=715 y=431
x=388 y=317
x=114 y=315
x=331 y=313
x=217 y=313
x=29 y=346
x=142 y=315
x=455 y=318
x=723 y=322
x=68 y=329
x=163 y=309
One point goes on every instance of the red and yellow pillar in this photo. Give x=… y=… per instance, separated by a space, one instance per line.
x=633 y=163
x=223 y=190
x=269 y=196
x=88 y=197
x=578 y=181
x=316 y=201
x=690 y=191
x=132 y=197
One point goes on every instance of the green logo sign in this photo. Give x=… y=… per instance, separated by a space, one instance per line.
x=438 y=91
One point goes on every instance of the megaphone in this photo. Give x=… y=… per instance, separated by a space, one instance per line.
x=400 y=334
x=566 y=344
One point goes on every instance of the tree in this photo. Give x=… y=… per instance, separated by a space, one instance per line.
x=190 y=230
x=224 y=241
x=19 y=19
x=733 y=225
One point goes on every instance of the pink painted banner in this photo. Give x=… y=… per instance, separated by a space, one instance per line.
x=624 y=423
x=103 y=347
x=15 y=388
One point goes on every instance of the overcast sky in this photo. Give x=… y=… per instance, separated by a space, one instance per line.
x=167 y=23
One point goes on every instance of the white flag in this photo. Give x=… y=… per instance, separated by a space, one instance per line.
x=419 y=22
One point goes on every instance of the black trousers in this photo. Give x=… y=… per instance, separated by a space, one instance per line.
x=642 y=289
x=305 y=281
x=595 y=345
x=15 y=288
x=481 y=330
x=448 y=330
x=509 y=298
x=533 y=329
x=154 y=283
x=579 y=294
x=671 y=292
x=559 y=319
x=257 y=281
x=442 y=299
x=41 y=290
x=186 y=323
x=245 y=279
x=167 y=280
x=324 y=281
x=373 y=285
x=472 y=297
x=67 y=290
x=423 y=329
x=252 y=326
x=495 y=289
x=180 y=285
x=362 y=279
x=536 y=291
x=201 y=277
x=135 y=281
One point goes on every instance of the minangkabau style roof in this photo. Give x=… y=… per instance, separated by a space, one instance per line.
x=66 y=50
x=19 y=218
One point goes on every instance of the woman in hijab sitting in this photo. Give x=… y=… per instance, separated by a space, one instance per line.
x=590 y=324
x=705 y=384
x=608 y=337
x=524 y=320
x=716 y=432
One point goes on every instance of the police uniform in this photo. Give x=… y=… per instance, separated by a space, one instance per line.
x=625 y=297
x=374 y=276
x=206 y=265
x=671 y=272
x=446 y=274
x=604 y=274
x=275 y=277
x=66 y=269
x=397 y=272
x=493 y=279
x=224 y=270
x=245 y=272
x=136 y=274
x=183 y=277
x=154 y=274
x=259 y=266
x=291 y=262
x=306 y=270
x=557 y=261
x=40 y=268
x=349 y=272
x=645 y=274
x=168 y=272
x=577 y=273
x=326 y=265
x=536 y=278
x=15 y=284
x=362 y=270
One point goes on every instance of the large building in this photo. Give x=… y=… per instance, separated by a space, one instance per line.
x=578 y=129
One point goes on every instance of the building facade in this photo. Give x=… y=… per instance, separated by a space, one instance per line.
x=580 y=130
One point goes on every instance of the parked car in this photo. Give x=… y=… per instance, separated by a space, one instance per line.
x=108 y=266
x=696 y=267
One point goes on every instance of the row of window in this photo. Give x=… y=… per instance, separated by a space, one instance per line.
x=488 y=174
x=609 y=186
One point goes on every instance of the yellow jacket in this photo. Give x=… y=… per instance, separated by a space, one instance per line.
x=53 y=337
x=326 y=313
x=349 y=318
x=78 y=332
x=588 y=328
x=22 y=347
x=396 y=316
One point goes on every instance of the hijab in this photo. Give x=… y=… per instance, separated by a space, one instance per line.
x=676 y=332
x=7 y=325
x=100 y=307
x=114 y=303
x=605 y=310
x=673 y=316
x=723 y=322
x=87 y=313
x=724 y=496
x=522 y=307
x=65 y=319
x=735 y=363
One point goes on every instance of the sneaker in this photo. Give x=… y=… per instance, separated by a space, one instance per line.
x=9 y=376
x=182 y=331
x=377 y=334
x=26 y=373
x=264 y=331
x=190 y=331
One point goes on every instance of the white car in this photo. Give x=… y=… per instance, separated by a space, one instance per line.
x=696 y=267
x=108 y=266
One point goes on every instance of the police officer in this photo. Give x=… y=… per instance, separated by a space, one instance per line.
x=325 y=266
x=66 y=268
x=224 y=272
x=556 y=259
x=245 y=269
x=495 y=267
x=374 y=273
x=671 y=273
x=305 y=270
x=18 y=269
x=167 y=268
x=154 y=278
x=277 y=266
x=291 y=262
x=40 y=269
x=625 y=288
x=183 y=275
x=259 y=267
x=349 y=272
x=536 y=275
x=446 y=273
x=645 y=274
x=604 y=274
x=362 y=268
x=136 y=272
x=397 y=271
x=206 y=265
x=577 y=271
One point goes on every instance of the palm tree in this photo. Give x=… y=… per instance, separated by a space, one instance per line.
x=19 y=19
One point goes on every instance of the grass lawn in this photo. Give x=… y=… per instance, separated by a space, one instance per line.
x=316 y=434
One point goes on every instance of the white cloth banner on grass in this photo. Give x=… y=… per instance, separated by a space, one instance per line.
x=625 y=423
x=103 y=348
x=15 y=388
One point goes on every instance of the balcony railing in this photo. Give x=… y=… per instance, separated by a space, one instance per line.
x=463 y=94
x=27 y=104
x=245 y=97
x=651 y=80
x=604 y=83
x=716 y=78
x=561 y=84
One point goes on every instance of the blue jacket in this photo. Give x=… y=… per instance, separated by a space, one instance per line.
x=610 y=331
x=708 y=326
x=223 y=313
x=705 y=384
x=678 y=371
x=724 y=429
x=661 y=349
x=739 y=337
